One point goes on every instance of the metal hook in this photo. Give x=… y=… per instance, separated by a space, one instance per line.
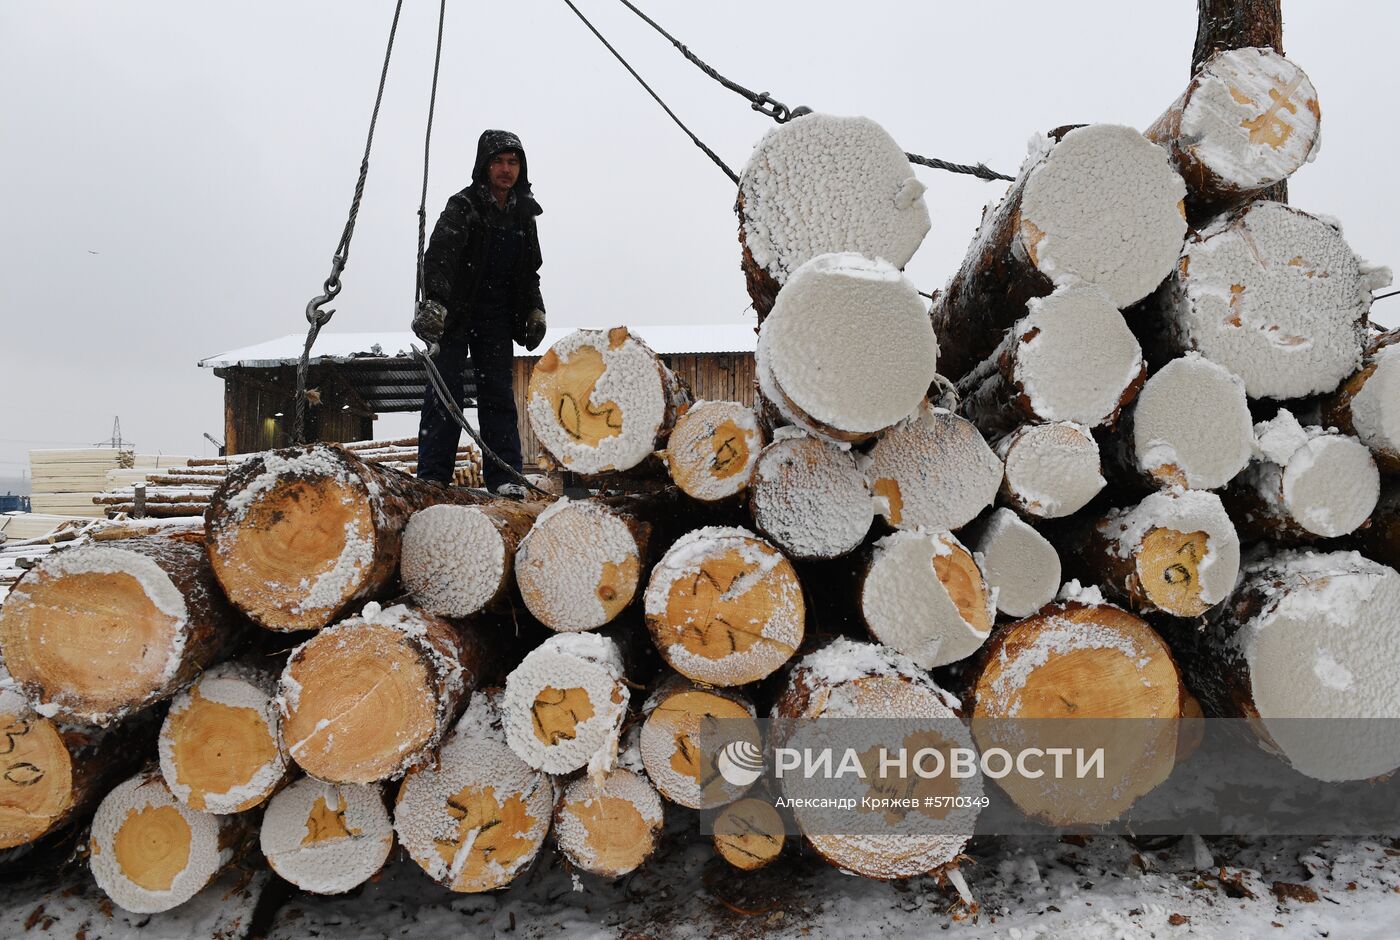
x=314 y=314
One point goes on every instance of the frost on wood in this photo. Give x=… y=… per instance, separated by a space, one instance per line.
x=846 y=680
x=1248 y=119
x=149 y=852
x=221 y=748
x=1052 y=470
x=683 y=721
x=1070 y=358
x=1367 y=405
x=580 y=564
x=933 y=470
x=1191 y=425
x=477 y=816
x=1046 y=679
x=711 y=452
x=1098 y=205
x=822 y=184
x=564 y=704
x=98 y=631
x=724 y=607
x=327 y=838
x=601 y=400
x=1305 y=483
x=1022 y=567
x=749 y=834
x=810 y=497
x=841 y=320
x=608 y=827
x=1274 y=295
x=370 y=697
x=925 y=596
x=457 y=560
x=1306 y=644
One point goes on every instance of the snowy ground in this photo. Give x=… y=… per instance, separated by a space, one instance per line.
x=1027 y=888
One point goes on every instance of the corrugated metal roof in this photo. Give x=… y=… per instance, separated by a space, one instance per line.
x=665 y=338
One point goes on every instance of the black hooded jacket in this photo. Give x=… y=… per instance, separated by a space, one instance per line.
x=458 y=270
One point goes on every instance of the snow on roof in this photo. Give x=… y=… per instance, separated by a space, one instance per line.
x=666 y=339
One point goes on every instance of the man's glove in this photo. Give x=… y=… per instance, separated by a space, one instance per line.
x=532 y=330
x=429 y=320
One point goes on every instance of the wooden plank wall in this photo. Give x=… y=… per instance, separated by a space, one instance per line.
x=253 y=397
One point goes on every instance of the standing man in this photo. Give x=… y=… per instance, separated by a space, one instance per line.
x=481 y=290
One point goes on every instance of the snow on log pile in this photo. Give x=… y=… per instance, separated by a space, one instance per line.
x=1199 y=425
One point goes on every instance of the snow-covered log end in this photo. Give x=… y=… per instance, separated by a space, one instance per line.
x=36 y=788
x=711 y=452
x=1052 y=470
x=150 y=852
x=327 y=838
x=933 y=470
x=810 y=497
x=608 y=827
x=672 y=741
x=1276 y=296
x=824 y=183
x=1191 y=425
x=725 y=607
x=841 y=319
x=1022 y=567
x=579 y=566
x=1368 y=405
x=924 y=595
x=457 y=559
x=601 y=400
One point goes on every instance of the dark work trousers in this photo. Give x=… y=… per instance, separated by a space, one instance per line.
x=492 y=355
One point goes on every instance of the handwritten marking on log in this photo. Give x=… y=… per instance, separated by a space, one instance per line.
x=723 y=608
x=749 y=834
x=1270 y=128
x=571 y=395
x=558 y=713
x=1168 y=567
x=499 y=834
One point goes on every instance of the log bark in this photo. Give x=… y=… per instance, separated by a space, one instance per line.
x=934 y=471
x=1083 y=676
x=476 y=816
x=724 y=607
x=1052 y=470
x=712 y=450
x=1367 y=405
x=1020 y=564
x=459 y=560
x=748 y=834
x=298 y=536
x=150 y=852
x=99 y=631
x=810 y=497
x=326 y=838
x=1380 y=538
x=601 y=400
x=1036 y=238
x=372 y=696
x=608 y=827
x=683 y=721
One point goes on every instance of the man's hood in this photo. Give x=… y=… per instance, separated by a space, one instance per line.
x=493 y=142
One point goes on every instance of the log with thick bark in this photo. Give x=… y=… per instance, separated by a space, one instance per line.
x=810 y=497
x=1305 y=483
x=822 y=184
x=924 y=595
x=712 y=449
x=899 y=709
x=1274 y=295
x=98 y=631
x=608 y=826
x=221 y=748
x=1052 y=470
x=1190 y=426
x=725 y=607
x=371 y=697
x=675 y=740
x=150 y=852
x=1367 y=405
x=1247 y=121
x=1381 y=538
x=601 y=400
x=297 y=536
x=748 y=834
x=327 y=838
x=841 y=320
x=579 y=566
x=564 y=704
x=1083 y=675
x=1305 y=650
x=477 y=816
x=1070 y=358
x=1098 y=204
x=1020 y=564
x=459 y=560
x=1176 y=551
x=933 y=470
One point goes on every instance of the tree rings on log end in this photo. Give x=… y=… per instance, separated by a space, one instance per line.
x=677 y=741
x=712 y=450
x=564 y=704
x=749 y=834
x=326 y=838
x=580 y=564
x=608 y=827
x=933 y=470
x=725 y=607
x=810 y=497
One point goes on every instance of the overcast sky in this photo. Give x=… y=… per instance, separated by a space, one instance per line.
x=174 y=175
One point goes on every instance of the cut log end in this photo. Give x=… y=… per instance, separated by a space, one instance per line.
x=564 y=704
x=1368 y=405
x=749 y=834
x=457 y=560
x=712 y=450
x=579 y=566
x=1191 y=425
x=36 y=778
x=1169 y=569
x=811 y=498
x=1331 y=485
x=933 y=471
x=1021 y=564
x=608 y=827
x=725 y=607
x=673 y=743
x=1052 y=470
x=324 y=838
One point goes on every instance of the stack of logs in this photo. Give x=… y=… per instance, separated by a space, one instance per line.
x=1142 y=380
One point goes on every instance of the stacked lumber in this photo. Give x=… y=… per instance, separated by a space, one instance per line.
x=1106 y=390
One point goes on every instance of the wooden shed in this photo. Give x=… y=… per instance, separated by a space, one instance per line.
x=359 y=376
